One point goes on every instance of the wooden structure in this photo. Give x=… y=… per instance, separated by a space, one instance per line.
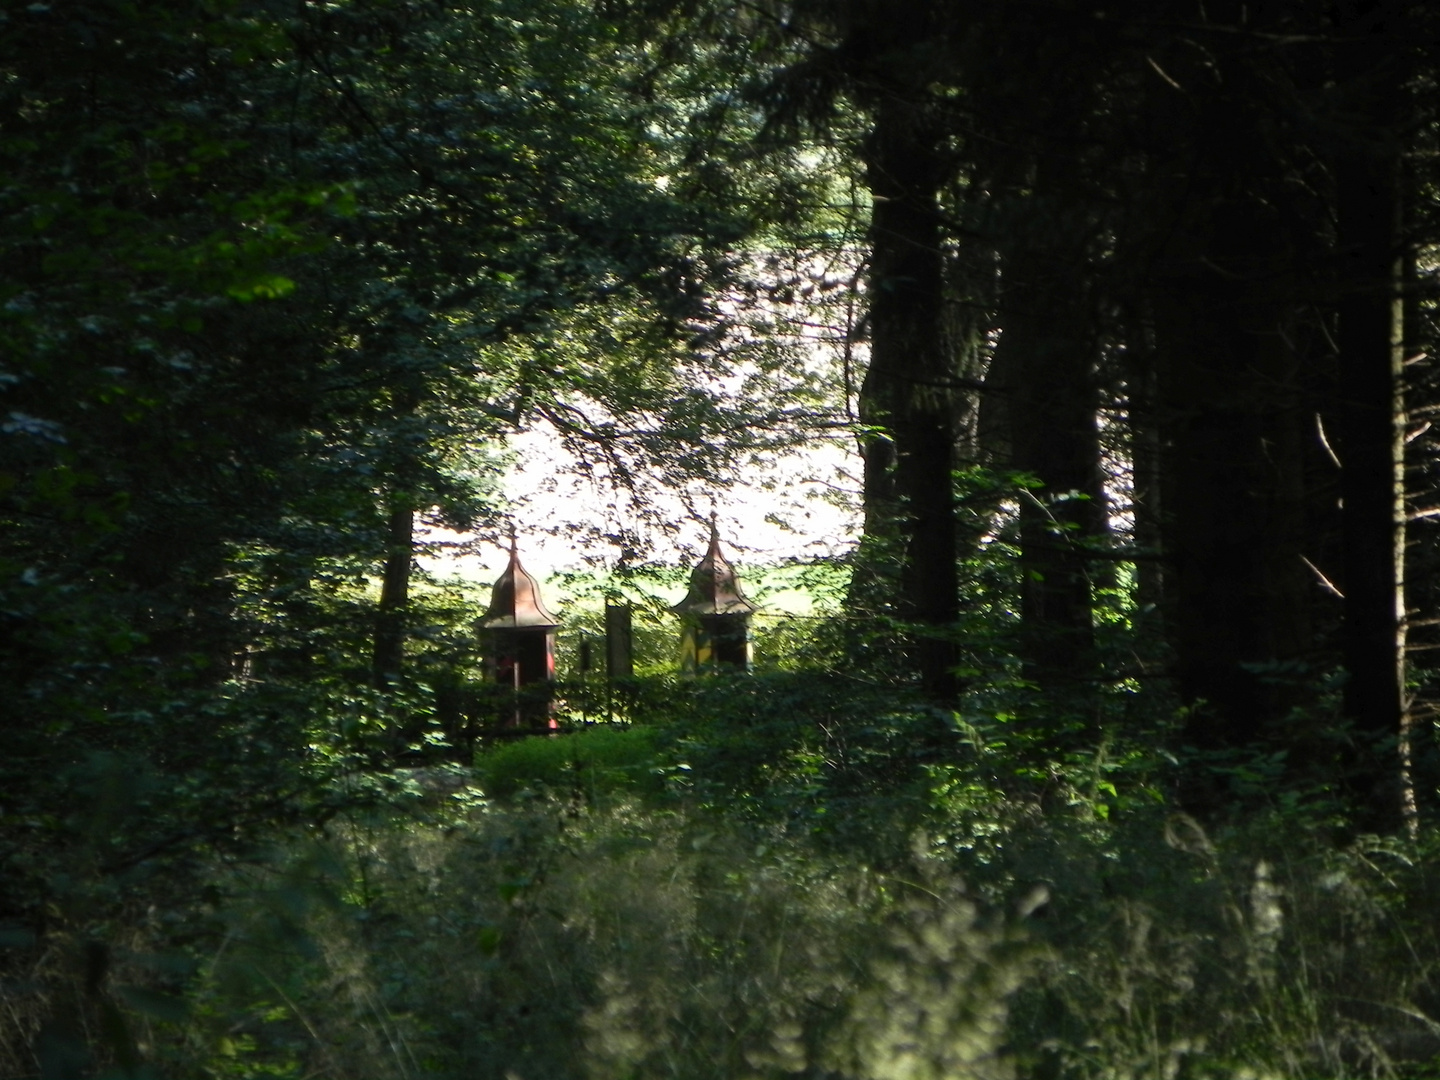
x=520 y=643
x=619 y=641
x=714 y=616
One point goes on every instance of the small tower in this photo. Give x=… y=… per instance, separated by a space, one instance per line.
x=521 y=630
x=714 y=616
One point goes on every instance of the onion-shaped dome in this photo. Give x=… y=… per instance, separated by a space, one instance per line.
x=714 y=588
x=515 y=600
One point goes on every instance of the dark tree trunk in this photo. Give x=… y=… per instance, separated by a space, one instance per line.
x=1225 y=285
x=1371 y=419
x=387 y=660
x=1046 y=219
x=907 y=387
x=1235 y=521
x=1047 y=352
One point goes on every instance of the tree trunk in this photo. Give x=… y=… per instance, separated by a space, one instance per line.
x=1235 y=511
x=907 y=388
x=1226 y=285
x=1048 y=350
x=1371 y=417
x=387 y=660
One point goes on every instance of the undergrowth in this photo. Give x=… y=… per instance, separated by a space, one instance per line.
x=792 y=880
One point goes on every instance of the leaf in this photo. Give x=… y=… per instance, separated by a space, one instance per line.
x=267 y=287
x=488 y=938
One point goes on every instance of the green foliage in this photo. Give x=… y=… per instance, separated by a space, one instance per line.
x=821 y=756
x=266 y=275
x=593 y=763
x=558 y=938
x=270 y=276
x=765 y=877
x=539 y=942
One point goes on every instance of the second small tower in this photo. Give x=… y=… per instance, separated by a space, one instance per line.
x=714 y=616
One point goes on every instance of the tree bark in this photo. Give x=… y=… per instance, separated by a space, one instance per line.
x=1226 y=286
x=906 y=387
x=1048 y=349
x=388 y=657
x=1235 y=524
x=1371 y=414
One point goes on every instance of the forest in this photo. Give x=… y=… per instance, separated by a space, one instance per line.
x=1109 y=750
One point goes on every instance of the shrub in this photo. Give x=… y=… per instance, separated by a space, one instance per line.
x=540 y=940
x=593 y=762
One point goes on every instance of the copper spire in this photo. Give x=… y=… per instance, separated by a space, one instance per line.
x=515 y=599
x=714 y=588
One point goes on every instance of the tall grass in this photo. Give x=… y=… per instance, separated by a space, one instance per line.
x=540 y=942
x=543 y=940
x=777 y=880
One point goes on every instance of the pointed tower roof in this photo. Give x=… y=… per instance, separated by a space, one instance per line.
x=714 y=588
x=515 y=599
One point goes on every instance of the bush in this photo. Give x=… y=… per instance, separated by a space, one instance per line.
x=546 y=941
x=593 y=762
x=779 y=877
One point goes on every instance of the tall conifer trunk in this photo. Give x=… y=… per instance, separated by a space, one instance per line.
x=906 y=387
x=387 y=658
x=1225 y=287
x=1047 y=353
x=1371 y=416
x=1234 y=510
